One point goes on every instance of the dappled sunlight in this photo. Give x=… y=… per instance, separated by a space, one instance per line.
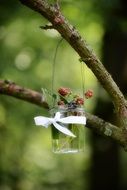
x=24 y=58
x=14 y=34
x=27 y=54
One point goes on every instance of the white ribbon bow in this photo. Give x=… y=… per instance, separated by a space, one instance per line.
x=46 y=121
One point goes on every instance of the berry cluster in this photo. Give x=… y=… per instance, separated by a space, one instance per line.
x=67 y=98
x=88 y=94
x=64 y=91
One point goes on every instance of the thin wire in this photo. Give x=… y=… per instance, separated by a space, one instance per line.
x=83 y=78
x=53 y=72
x=54 y=67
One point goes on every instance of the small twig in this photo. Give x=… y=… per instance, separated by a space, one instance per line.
x=47 y=27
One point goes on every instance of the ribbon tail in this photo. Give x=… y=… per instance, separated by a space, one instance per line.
x=63 y=129
x=74 y=119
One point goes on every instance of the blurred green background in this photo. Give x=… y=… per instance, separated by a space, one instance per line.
x=26 y=57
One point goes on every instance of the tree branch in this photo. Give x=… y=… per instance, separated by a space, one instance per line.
x=71 y=35
x=11 y=89
x=107 y=129
x=95 y=123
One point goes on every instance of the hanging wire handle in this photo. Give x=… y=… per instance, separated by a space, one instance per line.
x=83 y=79
x=53 y=69
x=53 y=73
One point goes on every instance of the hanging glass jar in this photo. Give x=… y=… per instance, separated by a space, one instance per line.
x=62 y=143
x=68 y=120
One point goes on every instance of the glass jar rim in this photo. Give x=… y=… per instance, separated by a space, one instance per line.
x=65 y=109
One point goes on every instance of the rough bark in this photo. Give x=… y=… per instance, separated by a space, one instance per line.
x=95 y=123
x=11 y=89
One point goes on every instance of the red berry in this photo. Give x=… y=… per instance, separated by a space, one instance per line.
x=79 y=101
x=88 y=94
x=64 y=91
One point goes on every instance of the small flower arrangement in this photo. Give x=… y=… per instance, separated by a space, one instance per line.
x=67 y=120
x=66 y=98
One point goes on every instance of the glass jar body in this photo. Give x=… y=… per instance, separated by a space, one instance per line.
x=62 y=143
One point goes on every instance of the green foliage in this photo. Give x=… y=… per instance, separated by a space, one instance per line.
x=50 y=98
x=26 y=54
